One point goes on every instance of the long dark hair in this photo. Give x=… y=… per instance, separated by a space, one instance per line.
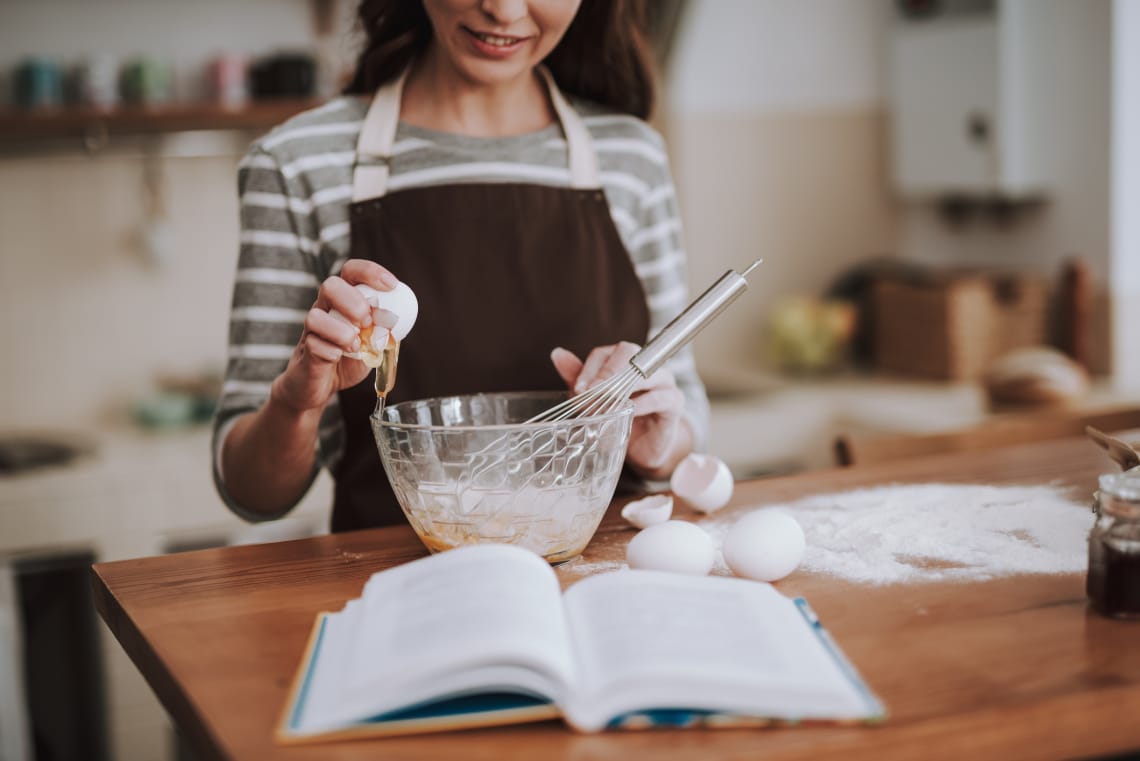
x=603 y=57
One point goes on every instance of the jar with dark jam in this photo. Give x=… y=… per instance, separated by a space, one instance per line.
x=1114 y=547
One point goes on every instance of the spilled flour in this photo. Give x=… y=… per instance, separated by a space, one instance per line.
x=932 y=532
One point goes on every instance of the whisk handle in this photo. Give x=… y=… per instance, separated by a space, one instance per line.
x=690 y=322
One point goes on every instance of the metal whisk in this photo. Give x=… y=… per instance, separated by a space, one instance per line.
x=613 y=392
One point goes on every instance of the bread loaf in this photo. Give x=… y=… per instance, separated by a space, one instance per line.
x=1038 y=375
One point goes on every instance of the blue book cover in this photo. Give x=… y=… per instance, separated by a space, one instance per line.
x=499 y=706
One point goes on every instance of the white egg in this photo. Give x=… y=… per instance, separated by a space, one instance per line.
x=675 y=546
x=648 y=511
x=704 y=482
x=400 y=301
x=764 y=545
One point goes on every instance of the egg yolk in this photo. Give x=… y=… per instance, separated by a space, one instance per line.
x=368 y=353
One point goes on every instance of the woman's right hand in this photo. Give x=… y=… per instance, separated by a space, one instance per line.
x=318 y=368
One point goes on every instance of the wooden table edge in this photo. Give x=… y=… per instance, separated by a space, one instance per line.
x=188 y=722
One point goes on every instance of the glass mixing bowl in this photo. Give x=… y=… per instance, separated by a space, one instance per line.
x=468 y=469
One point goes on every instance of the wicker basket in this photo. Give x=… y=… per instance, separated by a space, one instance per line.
x=953 y=327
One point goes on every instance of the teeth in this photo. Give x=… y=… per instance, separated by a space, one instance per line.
x=500 y=42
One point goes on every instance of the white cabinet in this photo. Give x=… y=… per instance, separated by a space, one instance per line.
x=967 y=99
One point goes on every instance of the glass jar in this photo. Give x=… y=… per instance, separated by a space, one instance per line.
x=1113 y=583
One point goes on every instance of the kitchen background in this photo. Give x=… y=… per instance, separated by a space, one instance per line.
x=867 y=149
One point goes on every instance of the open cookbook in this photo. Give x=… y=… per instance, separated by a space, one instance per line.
x=484 y=635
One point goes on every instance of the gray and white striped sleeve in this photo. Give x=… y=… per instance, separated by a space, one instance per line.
x=657 y=247
x=276 y=282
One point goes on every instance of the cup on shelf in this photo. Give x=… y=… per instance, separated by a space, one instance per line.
x=145 y=81
x=95 y=81
x=284 y=75
x=38 y=83
x=227 y=78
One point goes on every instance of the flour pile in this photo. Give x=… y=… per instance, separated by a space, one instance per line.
x=933 y=532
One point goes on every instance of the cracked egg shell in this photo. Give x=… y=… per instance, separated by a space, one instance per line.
x=400 y=301
x=674 y=546
x=703 y=482
x=648 y=511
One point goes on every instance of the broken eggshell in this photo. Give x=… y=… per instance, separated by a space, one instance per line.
x=674 y=546
x=401 y=302
x=703 y=482
x=648 y=511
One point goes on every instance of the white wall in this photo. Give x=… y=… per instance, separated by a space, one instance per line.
x=1069 y=45
x=750 y=56
x=90 y=318
x=1125 y=264
x=775 y=121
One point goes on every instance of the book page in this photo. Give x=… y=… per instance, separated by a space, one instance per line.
x=647 y=639
x=448 y=623
x=319 y=705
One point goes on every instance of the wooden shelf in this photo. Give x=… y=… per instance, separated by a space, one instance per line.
x=86 y=123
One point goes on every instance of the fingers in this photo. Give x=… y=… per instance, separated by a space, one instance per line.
x=330 y=334
x=604 y=362
x=369 y=273
x=336 y=295
x=663 y=378
x=567 y=364
x=320 y=349
x=669 y=401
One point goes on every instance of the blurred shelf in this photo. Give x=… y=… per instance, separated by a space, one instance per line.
x=97 y=124
x=788 y=423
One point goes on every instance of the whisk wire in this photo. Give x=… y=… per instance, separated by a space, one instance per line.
x=607 y=396
x=613 y=392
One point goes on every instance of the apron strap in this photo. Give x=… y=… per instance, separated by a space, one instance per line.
x=374 y=146
x=378 y=134
x=583 y=162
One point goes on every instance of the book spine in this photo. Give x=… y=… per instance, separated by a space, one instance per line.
x=875 y=708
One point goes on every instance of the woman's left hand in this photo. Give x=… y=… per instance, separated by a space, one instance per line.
x=660 y=438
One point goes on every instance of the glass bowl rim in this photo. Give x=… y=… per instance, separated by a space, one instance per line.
x=625 y=410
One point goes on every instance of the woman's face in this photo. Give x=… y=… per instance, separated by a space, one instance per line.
x=495 y=41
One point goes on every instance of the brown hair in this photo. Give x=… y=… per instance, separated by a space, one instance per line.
x=603 y=57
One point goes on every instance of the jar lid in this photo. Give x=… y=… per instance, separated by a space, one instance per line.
x=1120 y=494
x=1124 y=485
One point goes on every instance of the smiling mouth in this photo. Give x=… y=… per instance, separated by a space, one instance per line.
x=495 y=40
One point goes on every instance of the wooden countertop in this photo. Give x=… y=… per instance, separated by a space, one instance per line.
x=1014 y=667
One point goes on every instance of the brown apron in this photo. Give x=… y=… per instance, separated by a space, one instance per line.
x=503 y=273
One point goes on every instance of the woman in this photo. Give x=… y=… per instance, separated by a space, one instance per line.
x=527 y=205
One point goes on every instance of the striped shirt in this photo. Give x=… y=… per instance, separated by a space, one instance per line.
x=295 y=188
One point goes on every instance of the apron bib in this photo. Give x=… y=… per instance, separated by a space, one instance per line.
x=504 y=272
